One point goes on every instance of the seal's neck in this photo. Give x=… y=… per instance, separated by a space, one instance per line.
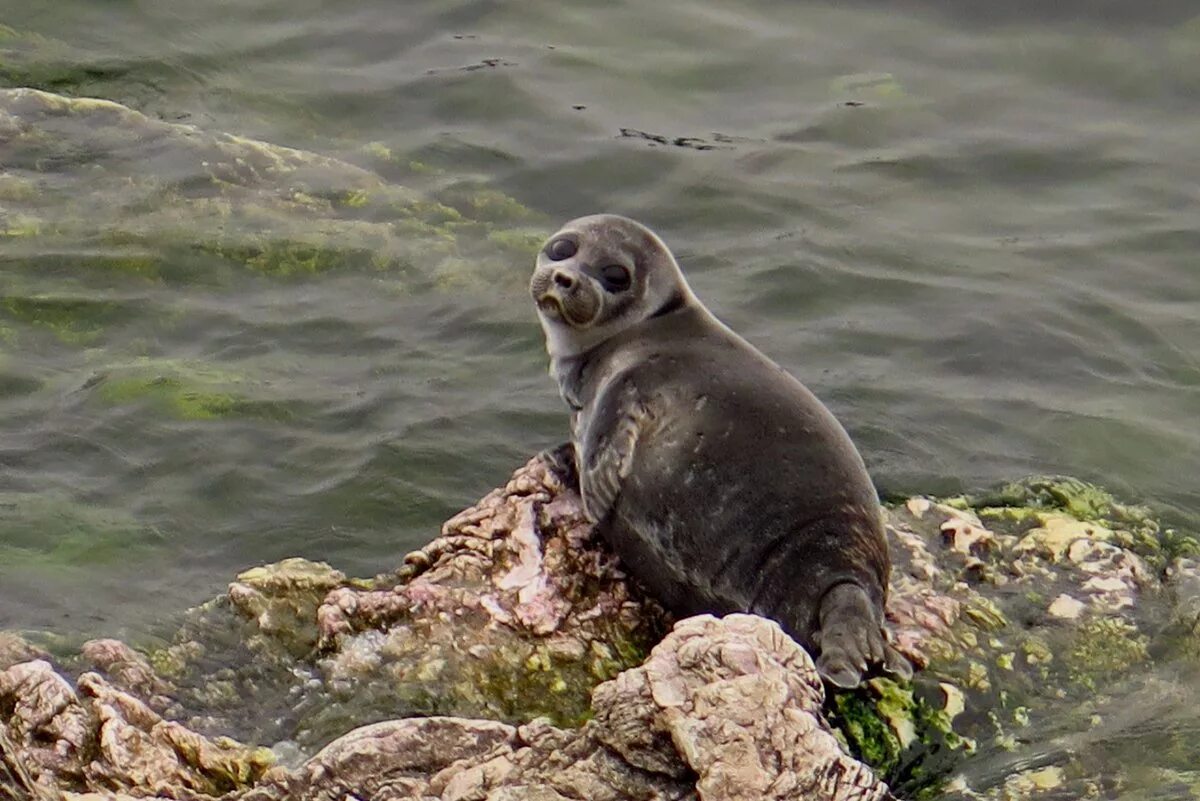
x=567 y=372
x=576 y=355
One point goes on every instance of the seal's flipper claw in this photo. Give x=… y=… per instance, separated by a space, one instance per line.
x=561 y=460
x=851 y=638
x=897 y=664
x=836 y=668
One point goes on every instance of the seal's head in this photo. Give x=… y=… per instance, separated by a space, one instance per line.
x=600 y=275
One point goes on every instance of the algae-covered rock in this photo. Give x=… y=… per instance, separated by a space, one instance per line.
x=722 y=709
x=183 y=192
x=283 y=599
x=1018 y=607
x=1040 y=605
x=514 y=612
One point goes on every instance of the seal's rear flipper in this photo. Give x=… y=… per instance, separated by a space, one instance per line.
x=851 y=639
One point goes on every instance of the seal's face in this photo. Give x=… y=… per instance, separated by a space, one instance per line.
x=598 y=276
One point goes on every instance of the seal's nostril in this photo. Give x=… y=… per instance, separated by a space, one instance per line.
x=564 y=280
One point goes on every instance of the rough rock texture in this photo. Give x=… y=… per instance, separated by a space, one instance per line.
x=93 y=736
x=1044 y=606
x=514 y=606
x=14 y=648
x=724 y=709
x=1024 y=607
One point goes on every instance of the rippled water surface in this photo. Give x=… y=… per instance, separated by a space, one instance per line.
x=971 y=228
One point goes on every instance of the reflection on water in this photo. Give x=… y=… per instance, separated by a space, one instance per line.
x=970 y=227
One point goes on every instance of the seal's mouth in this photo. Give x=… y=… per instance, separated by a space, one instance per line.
x=550 y=305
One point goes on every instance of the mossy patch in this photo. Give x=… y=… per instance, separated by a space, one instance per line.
x=904 y=731
x=188 y=391
x=277 y=211
x=1026 y=504
x=75 y=321
x=1103 y=650
x=49 y=530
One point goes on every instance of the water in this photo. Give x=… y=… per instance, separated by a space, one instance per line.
x=969 y=227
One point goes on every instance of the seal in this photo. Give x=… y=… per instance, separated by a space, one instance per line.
x=720 y=481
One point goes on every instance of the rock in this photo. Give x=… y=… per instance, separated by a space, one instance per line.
x=1066 y=607
x=518 y=644
x=128 y=671
x=733 y=702
x=14 y=649
x=94 y=736
x=282 y=600
x=725 y=709
x=183 y=191
x=515 y=611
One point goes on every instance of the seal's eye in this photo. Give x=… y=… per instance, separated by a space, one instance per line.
x=560 y=249
x=616 y=278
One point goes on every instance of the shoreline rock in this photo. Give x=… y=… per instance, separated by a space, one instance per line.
x=508 y=659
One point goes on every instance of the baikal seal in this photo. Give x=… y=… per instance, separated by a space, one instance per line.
x=721 y=482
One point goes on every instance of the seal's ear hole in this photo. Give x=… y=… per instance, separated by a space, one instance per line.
x=616 y=278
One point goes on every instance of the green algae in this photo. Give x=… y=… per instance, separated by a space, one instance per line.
x=187 y=391
x=903 y=730
x=1075 y=497
x=17 y=188
x=519 y=244
x=21 y=227
x=482 y=203
x=869 y=737
x=1103 y=650
x=173 y=395
x=1023 y=504
x=530 y=682
x=51 y=531
x=1008 y=663
x=74 y=321
x=280 y=212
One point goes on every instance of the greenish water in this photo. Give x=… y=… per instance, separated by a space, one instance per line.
x=970 y=228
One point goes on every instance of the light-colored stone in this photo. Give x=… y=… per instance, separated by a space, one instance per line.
x=1066 y=608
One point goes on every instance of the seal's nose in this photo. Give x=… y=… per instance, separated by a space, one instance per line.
x=564 y=280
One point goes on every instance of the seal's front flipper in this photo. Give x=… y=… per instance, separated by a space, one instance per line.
x=608 y=449
x=851 y=637
x=561 y=461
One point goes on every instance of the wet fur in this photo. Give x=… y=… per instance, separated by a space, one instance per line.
x=723 y=484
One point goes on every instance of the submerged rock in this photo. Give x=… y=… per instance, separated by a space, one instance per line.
x=83 y=170
x=519 y=643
